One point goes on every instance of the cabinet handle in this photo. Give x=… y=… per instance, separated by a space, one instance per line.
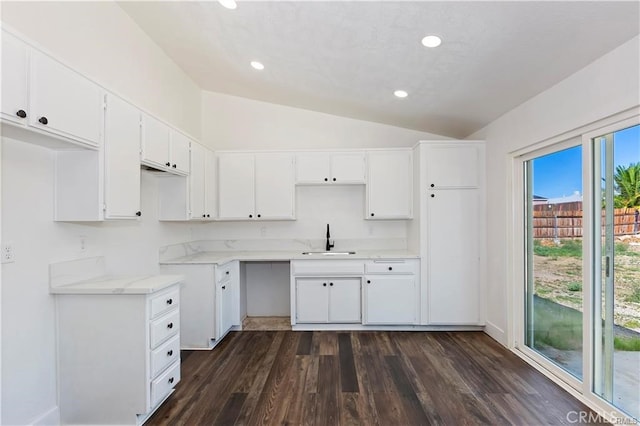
x=43 y=120
x=169 y=301
x=390 y=268
x=334 y=179
x=331 y=284
x=326 y=179
x=250 y=216
x=170 y=325
x=170 y=353
x=138 y=213
x=372 y=215
x=175 y=166
x=167 y=164
x=21 y=113
x=171 y=380
x=224 y=287
x=433 y=185
x=368 y=281
x=324 y=284
x=433 y=195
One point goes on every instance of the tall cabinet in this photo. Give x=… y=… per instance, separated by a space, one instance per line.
x=452 y=231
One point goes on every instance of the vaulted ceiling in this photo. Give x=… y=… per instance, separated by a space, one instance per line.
x=347 y=58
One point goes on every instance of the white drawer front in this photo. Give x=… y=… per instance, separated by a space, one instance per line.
x=164 y=327
x=164 y=355
x=164 y=302
x=391 y=267
x=334 y=267
x=163 y=384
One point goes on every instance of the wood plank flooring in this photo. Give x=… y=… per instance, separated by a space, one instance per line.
x=362 y=378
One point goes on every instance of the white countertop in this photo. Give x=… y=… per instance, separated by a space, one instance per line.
x=119 y=285
x=220 y=257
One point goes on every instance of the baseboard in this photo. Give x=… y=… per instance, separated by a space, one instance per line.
x=360 y=327
x=49 y=418
x=496 y=333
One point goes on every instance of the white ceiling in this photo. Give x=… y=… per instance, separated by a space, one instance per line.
x=347 y=58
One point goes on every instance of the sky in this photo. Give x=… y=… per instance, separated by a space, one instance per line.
x=560 y=174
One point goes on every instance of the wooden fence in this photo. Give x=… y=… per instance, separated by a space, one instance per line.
x=568 y=223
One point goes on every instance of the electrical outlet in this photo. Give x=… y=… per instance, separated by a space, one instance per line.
x=8 y=254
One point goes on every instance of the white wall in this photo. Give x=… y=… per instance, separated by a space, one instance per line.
x=100 y=40
x=230 y=122
x=605 y=87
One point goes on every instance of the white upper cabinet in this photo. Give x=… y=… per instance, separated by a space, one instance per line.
x=179 y=152
x=197 y=182
x=451 y=165
x=330 y=167
x=274 y=186
x=210 y=184
x=121 y=157
x=389 y=184
x=236 y=186
x=155 y=143
x=256 y=186
x=14 y=72
x=63 y=102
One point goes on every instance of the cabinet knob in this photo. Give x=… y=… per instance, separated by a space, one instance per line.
x=250 y=216
x=175 y=166
x=432 y=185
x=224 y=287
x=170 y=353
x=334 y=179
x=21 y=113
x=171 y=380
x=390 y=268
x=433 y=195
x=138 y=213
x=372 y=214
x=259 y=215
x=169 y=301
x=324 y=284
x=170 y=325
x=326 y=179
x=167 y=164
x=204 y=215
x=227 y=272
x=43 y=120
x=368 y=281
x=208 y=215
x=331 y=284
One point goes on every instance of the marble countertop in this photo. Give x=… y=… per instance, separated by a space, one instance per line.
x=220 y=257
x=145 y=284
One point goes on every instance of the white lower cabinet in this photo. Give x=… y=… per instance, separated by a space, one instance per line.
x=328 y=300
x=119 y=355
x=390 y=299
x=208 y=311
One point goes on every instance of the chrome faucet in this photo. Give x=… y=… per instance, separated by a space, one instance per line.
x=329 y=245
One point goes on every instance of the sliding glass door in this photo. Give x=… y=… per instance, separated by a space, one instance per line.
x=616 y=307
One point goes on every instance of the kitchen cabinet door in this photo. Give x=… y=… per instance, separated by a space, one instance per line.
x=179 y=153
x=312 y=300
x=14 y=106
x=344 y=300
x=453 y=274
x=197 y=182
x=274 y=186
x=64 y=102
x=226 y=307
x=121 y=159
x=155 y=143
x=389 y=185
x=390 y=299
x=313 y=167
x=452 y=166
x=236 y=186
x=210 y=185
x=348 y=167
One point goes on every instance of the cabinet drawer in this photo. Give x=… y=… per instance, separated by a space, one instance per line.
x=391 y=267
x=164 y=327
x=164 y=302
x=327 y=268
x=163 y=384
x=165 y=355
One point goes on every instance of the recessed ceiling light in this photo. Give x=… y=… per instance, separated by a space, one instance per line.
x=257 y=65
x=431 y=41
x=401 y=93
x=229 y=4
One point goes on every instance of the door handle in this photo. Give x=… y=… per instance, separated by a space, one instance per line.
x=607 y=266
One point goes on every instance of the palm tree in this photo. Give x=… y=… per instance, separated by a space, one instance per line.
x=627 y=180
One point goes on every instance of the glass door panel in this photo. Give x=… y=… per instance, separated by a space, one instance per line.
x=616 y=308
x=554 y=258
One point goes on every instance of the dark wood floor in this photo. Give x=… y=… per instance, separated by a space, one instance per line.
x=365 y=378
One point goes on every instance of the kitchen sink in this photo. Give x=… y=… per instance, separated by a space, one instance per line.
x=328 y=253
